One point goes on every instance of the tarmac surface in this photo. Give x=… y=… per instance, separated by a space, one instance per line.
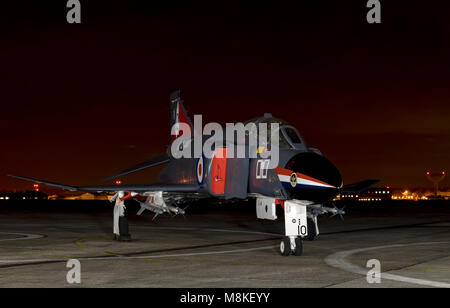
x=221 y=246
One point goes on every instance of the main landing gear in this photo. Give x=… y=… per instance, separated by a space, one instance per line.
x=120 y=223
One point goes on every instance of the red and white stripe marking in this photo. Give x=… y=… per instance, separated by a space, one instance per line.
x=284 y=175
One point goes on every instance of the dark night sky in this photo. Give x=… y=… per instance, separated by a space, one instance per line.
x=80 y=102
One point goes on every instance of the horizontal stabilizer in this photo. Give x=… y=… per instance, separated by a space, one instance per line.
x=114 y=188
x=147 y=164
x=358 y=187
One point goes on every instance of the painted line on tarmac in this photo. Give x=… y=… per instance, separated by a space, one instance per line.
x=23 y=236
x=82 y=242
x=114 y=257
x=78 y=243
x=209 y=261
x=214 y=230
x=118 y=256
x=338 y=260
x=206 y=253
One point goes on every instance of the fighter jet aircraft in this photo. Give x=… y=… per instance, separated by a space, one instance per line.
x=302 y=182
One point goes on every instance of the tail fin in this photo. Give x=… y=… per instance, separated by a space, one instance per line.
x=178 y=114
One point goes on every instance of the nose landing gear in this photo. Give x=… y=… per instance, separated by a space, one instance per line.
x=287 y=247
x=295 y=222
x=295 y=226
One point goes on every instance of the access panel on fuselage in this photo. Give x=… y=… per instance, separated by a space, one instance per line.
x=218 y=171
x=229 y=176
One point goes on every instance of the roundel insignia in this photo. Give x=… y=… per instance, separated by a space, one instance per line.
x=293 y=179
x=200 y=170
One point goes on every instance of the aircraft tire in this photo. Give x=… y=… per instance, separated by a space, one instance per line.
x=285 y=246
x=298 y=251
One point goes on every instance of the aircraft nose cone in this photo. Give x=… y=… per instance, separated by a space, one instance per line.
x=316 y=167
x=318 y=179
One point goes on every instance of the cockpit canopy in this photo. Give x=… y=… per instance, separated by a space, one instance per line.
x=288 y=135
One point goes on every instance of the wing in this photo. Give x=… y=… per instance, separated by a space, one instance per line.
x=358 y=187
x=147 y=164
x=114 y=188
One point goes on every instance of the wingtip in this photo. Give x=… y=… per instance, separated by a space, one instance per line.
x=14 y=176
